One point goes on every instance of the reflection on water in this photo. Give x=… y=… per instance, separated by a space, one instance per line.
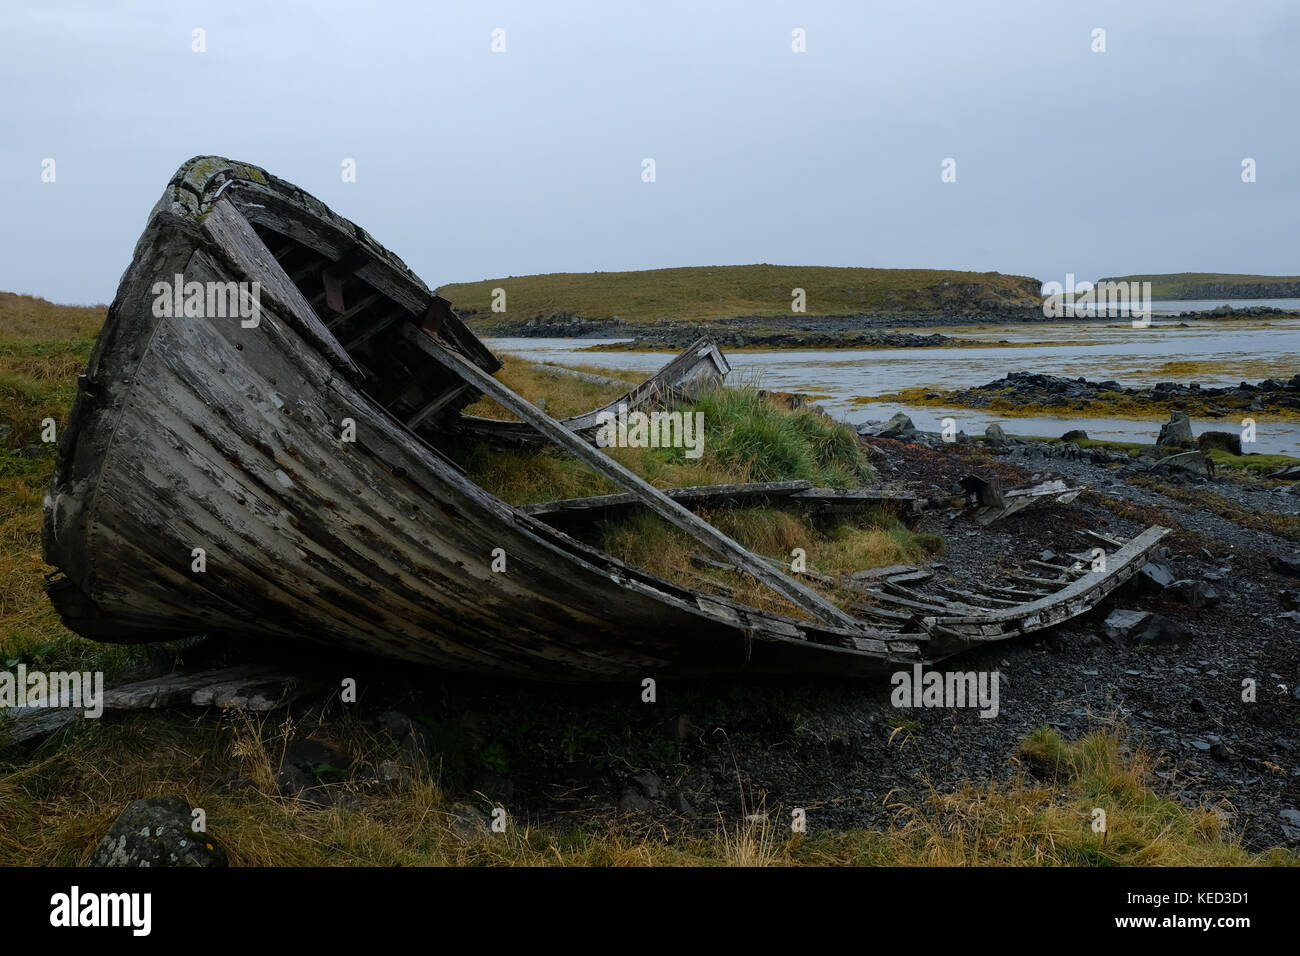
x=1234 y=351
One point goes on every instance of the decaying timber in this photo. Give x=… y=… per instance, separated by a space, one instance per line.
x=283 y=480
x=246 y=687
x=955 y=615
x=995 y=503
x=701 y=365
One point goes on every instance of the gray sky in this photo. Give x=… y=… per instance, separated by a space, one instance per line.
x=473 y=164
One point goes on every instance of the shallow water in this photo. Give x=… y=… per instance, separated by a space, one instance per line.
x=1205 y=305
x=1233 y=351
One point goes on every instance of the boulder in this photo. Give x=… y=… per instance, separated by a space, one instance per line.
x=1177 y=431
x=1288 y=564
x=1186 y=463
x=1075 y=434
x=649 y=784
x=1219 y=441
x=633 y=801
x=468 y=822
x=995 y=437
x=1194 y=593
x=1154 y=576
x=310 y=769
x=900 y=426
x=156 y=832
x=1141 y=627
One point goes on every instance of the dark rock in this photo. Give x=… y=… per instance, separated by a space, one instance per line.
x=1194 y=593
x=633 y=801
x=898 y=427
x=1155 y=576
x=1197 y=705
x=309 y=770
x=1177 y=431
x=1075 y=434
x=1219 y=441
x=1186 y=463
x=995 y=437
x=468 y=822
x=1121 y=624
x=649 y=784
x=1286 y=564
x=395 y=722
x=156 y=832
x=1141 y=627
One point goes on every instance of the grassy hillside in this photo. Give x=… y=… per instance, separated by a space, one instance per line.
x=43 y=348
x=1213 y=285
x=708 y=292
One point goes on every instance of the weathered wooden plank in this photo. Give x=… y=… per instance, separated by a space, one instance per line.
x=699 y=365
x=848 y=500
x=354 y=310
x=1078 y=595
x=439 y=402
x=891 y=586
x=799 y=594
x=1021 y=594
x=932 y=606
x=1107 y=541
x=883 y=613
x=970 y=597
x=698 y=495
x=888 y=571
x=38 y=719
x=1000 y=504
x=250 y=256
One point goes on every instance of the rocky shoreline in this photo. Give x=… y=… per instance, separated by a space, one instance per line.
x=1034 y=389
x=796 y=331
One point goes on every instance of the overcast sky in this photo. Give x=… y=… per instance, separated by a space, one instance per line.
x=472 y=164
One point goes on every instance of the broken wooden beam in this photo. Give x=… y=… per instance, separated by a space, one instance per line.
x=695 y=495
x=851 y=500
x=1075 y=598
x=244 y=687
x=700 y=365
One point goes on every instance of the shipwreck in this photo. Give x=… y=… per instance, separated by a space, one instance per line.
x=280 y=474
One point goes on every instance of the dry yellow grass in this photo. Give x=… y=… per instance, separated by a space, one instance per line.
x=56 y=805
x=25 y=318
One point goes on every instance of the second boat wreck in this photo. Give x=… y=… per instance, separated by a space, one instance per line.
x=275 y=472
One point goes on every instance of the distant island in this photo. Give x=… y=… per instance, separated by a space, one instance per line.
x=704 y=294
x=1212 y=285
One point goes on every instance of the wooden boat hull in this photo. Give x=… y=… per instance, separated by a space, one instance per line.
x=280 y=479
x=195 y=436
